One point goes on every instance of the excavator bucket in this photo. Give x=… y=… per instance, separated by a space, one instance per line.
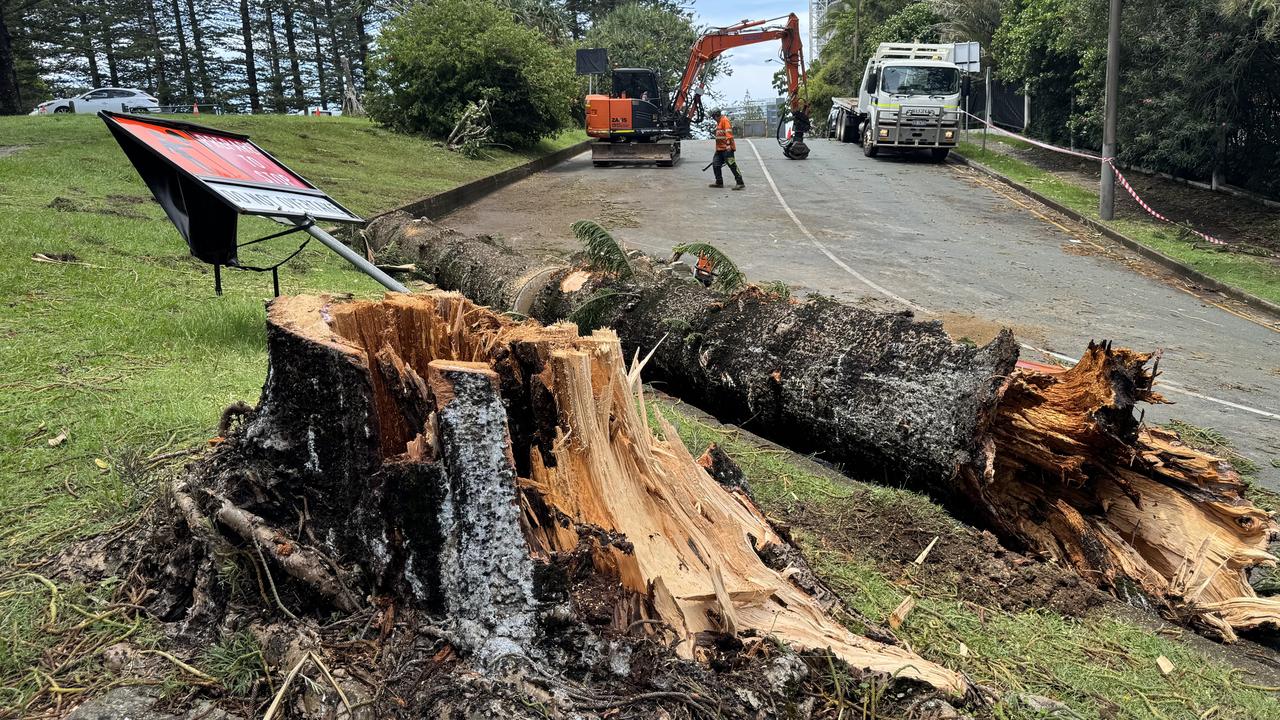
x=663 y=153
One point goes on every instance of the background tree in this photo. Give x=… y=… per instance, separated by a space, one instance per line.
x=440 y=55
x=649 y=36
x=856 y=30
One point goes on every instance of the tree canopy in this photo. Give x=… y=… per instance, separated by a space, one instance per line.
x=1198 y=91
x=650 y=36
x=440 y=55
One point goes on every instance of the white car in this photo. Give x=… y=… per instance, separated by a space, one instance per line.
x=114 y=99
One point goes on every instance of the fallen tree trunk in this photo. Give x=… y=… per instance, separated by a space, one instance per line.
x=1054 y=464
x=863 y=387
x=485 y=469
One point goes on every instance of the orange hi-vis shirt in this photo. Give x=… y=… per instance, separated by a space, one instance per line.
x=724 y=135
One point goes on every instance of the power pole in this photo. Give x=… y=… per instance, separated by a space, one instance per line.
x=987 y=128
x=1107 y=193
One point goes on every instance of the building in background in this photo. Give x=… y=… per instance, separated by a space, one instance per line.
x=818 y=35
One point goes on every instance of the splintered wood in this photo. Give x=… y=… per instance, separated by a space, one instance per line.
x=1130 y=507
x=693 y=548
x=588 y=476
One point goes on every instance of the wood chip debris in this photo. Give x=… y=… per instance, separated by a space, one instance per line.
x=899 y=615
x=924 y=554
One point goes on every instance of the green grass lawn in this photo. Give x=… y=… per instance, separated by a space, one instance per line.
x=1253 y=275
x=1101 y=664
x=128 y=350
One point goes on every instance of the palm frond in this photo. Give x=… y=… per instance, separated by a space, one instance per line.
x=603 y=252
x=728 y=277
x=590 y=314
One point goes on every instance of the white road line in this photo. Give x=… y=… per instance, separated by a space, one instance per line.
x=1164 y=384
x=860 y=277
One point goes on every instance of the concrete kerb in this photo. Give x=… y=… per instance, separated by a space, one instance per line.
x=436 y=206
x=1151 y=254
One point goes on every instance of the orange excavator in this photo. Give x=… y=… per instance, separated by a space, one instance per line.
x=636 y=122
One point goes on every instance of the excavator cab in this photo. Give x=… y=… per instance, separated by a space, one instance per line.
x=637 y=83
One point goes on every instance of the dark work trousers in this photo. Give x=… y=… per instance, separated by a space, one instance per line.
x=722 y=158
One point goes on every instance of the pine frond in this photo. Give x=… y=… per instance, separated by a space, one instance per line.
x=728 y=277
x=603 y=252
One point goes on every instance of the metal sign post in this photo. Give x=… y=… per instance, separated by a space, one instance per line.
x=206 y=178
x=1111 y=94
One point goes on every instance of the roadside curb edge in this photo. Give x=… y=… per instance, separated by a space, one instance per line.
x=1155 y=256
x=442 y=203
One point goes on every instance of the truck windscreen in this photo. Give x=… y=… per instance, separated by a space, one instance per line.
x=921 y=80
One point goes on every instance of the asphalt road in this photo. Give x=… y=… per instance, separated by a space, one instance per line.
x=940 y=239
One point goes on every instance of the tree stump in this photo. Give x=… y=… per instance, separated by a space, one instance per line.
x=453 y=459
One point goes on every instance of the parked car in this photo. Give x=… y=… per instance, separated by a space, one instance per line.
x=117 y=99
x=317 y=111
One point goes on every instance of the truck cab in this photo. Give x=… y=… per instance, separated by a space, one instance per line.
x=909 y=99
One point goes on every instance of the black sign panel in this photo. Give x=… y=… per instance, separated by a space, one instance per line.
x=592 y=61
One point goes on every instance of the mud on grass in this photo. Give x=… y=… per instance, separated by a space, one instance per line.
x=1007 y=621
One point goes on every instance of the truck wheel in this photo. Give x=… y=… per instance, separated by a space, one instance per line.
x=940 y=154
x=868 y=148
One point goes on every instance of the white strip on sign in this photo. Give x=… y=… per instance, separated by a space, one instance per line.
x=261 y=201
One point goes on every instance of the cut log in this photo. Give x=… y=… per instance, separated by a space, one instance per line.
x=1057 y=464
x=460 y=458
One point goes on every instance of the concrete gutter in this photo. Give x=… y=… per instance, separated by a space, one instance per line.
x=436 y=206
x=1175 y=266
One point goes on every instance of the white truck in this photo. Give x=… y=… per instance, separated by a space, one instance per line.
x=909 y=99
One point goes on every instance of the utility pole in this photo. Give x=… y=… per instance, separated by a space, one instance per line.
x=987 y=128
x=1107 y=193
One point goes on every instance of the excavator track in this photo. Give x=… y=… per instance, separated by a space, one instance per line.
x=663 y=153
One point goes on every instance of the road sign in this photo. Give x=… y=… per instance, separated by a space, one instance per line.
x=206 y=178
x=198 y=171
x=592 y=60
x=967 y=55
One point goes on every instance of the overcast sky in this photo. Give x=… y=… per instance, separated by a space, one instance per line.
x=753 y=65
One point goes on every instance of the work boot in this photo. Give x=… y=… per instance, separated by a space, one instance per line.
x=740 y=185
x=716 y=185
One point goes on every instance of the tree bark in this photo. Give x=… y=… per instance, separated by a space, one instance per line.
x=109 y=49
x=319 y=56
x=273 y=47
x=362 y=35
x=202 y=67
x=163 y=92
x=334 y=50
x=9 y=101
x=1052 y=463
x=464 y=463
x=89 y=49
x=295 y=68
x=184 y=58
x=250 y=63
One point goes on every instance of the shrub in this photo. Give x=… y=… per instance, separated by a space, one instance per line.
x=442 y=54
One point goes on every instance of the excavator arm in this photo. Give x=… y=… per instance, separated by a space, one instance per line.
x=687 y=101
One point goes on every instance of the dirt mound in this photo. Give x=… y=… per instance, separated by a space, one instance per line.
x=973 y=563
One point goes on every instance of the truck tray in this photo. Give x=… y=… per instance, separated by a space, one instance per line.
x=663 y=153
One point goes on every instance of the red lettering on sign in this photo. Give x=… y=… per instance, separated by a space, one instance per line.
x=212 y=156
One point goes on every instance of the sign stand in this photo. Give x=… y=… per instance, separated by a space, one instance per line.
x=205 y=178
